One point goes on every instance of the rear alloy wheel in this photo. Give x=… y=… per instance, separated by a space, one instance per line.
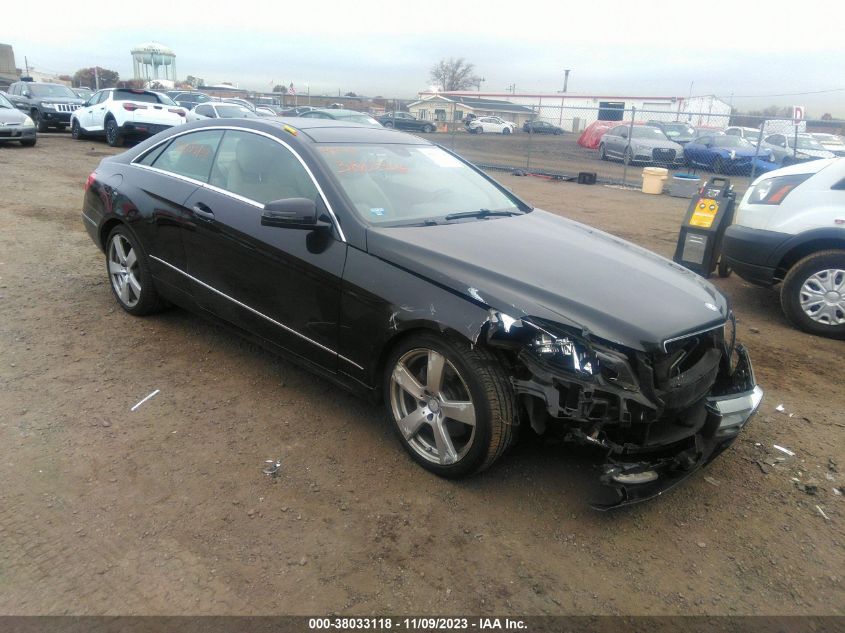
x=451 y=404
x=813 y=294
x=479 y=130
x=129 y=274
x=113 y=136
x=507 y=130
x=428 y=129
x=388 y=124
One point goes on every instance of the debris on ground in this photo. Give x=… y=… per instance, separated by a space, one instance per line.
x=780 y=408
x=711 y=481
x=821 y=512
x=763 y=467
x=272 y=466
x=831 y=465
x=784 y=450
x=145 y=399
x=810 y=489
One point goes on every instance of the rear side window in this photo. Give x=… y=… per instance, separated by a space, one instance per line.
x=190 y=155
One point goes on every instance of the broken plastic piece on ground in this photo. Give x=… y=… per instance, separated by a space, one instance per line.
x=711 y=481
x=145 y=399
x=780 y=408
x=272 y=467
x=821 y=512
x=784 y=450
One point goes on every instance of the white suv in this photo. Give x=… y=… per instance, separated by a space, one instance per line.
x=120 y=112
x=790 y=228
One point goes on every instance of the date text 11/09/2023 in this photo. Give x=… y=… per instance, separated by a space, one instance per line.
x=417 y=624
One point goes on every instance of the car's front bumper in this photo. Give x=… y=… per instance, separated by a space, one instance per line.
x=16 y=133
x=638 y=475
x=752 y=253
x=52 y=117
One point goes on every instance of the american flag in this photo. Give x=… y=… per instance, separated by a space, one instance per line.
x=291 y=89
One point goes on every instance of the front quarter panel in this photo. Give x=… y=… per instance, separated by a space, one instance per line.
x=381 y=301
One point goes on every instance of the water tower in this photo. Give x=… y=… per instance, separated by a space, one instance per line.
x=154 y=62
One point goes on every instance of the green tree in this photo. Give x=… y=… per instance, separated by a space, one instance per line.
x=85 y=77
x=454 y=74
x=280 y=88
x=195 y=82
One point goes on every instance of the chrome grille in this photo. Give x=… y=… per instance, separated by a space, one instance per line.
x=66 y=107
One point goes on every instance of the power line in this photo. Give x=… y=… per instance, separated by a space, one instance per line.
x=788 y=94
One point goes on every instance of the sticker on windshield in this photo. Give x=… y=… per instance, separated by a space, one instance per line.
x=378 y=211
x=439 y=157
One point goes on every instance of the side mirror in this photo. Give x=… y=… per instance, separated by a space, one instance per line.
x=292 y=213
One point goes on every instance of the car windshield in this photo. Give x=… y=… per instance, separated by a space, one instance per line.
x=674 y=130
x=235 y=111
x=51 y=90
x=805 y=142
x=409 y=184
x=652 y=133
x=5 y=103
x=731 y=141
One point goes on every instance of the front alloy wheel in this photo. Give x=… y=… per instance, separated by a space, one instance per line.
x=813 y=294
x=451 y=405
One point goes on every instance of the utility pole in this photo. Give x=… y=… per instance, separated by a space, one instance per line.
x=96 y=78
x=566 y=79
x=26 y=63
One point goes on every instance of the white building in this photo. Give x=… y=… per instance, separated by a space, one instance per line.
x=574 y=112
x=153 y=62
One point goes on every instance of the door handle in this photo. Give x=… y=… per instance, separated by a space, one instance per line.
x=203 y=211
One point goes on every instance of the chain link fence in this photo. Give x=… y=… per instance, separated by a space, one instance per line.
x=616 y=146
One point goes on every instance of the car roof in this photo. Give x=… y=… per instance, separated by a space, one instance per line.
x=318 y=130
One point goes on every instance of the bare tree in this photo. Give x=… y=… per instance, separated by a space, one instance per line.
x=454 y=74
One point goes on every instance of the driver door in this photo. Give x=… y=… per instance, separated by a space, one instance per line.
x=280 y=284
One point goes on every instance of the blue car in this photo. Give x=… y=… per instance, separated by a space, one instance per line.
x=725 y=154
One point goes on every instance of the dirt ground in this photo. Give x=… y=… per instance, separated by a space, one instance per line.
x=166 y=510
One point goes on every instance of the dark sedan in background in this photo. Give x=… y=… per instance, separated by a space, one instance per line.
x=541 y=127
x=401 y=272
x=15 y=125
x=406 y=121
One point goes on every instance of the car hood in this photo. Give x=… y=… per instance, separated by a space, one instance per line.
x=8 y=115
x=75 y=101
x=548 y=267
x=656 y=143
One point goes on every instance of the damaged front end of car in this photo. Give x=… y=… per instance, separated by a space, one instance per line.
x=656 y=415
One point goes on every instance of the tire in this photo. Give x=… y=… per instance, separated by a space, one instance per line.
x=723 y=270
x=129 y=274
x=388 y=124
x=428 y=129
x=602 y=152
x=808 y=280
x=470 y=375
x=558 y=132
x=718 y=165
x=506 y=130
x=30 y=142
x=40 y=124
x=113 y=136
x=76 y=131
x=479 y=130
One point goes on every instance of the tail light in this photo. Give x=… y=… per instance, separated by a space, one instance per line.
x=131 y=107
x=176 y=111
x=91 y=179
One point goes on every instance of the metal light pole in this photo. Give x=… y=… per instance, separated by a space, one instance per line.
x=566 y=79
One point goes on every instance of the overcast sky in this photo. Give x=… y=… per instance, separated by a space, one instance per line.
x=387 y=48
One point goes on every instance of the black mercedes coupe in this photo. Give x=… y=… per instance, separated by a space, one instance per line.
x=398 y=270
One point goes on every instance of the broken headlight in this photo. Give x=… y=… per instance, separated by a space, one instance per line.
x=566 y=352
